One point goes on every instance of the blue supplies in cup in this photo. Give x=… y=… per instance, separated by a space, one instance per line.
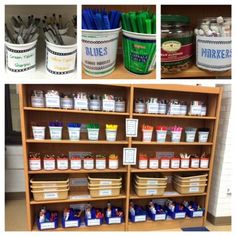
x=71 y=218
x=175 y=210
x=193 y=209
x=156 y=212
x=47 y=219
x=113 y=215
x=93 y=216
x=137 y=213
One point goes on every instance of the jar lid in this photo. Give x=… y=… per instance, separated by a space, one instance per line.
x=173 y=19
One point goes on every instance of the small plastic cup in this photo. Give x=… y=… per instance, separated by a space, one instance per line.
x=39 y=132
x=111 y=135
x=93 y=134
x=161 y=136
x=74 y=133
x=147 y=135
x=55 y=132
x=175 y=136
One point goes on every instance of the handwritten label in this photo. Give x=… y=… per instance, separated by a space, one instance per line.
x=48 y=225
x=35 y=164
x=71 y=223
x=108 y=105
x=129 y=156
x=131 y=127
x=50 y=196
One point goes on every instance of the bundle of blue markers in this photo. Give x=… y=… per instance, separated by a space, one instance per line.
x=100 y=19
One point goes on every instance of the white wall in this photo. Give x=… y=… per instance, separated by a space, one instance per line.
x=220 y=198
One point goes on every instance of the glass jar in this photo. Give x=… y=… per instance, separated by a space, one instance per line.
x=67 y=102
x=176 y=43
x=37 y=99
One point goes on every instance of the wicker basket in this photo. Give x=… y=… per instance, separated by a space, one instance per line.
x=187 y=178
x=149 y=190
x=52 y=181
x=104 y=191
x=185 y=189
x=104 y=181
x=152 y=179
x=48 y=195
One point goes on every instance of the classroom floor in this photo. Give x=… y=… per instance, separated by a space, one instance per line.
x=16 y=209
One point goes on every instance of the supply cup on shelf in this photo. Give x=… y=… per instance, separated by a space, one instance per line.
x=75 y=163
x=55 y=129
x=74 y=131
x=20 y=58
x=203 y=135
x=113 y=162
x=111 y=135
x=190 y=134
x=88 y=163
x=161 y=132
x=93 y=132
x=100 y=162
x=99 y=50
x=139 y=52
x=147 y=135
x=61 y=59
x=175 y=136
x=153 y=163
x=38 y=132
x=119 y=105
x=143 y=161
x=95 y=103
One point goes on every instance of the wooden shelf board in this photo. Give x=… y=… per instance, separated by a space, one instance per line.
x=170 y=143
x=165 y=195
x=76 y=111
x=121 y=73
x=103 y=227
x=82 y=171
x=168 y=224
x=175 y=116
x=83 y=197
x=74 y=142
x=137 y=170
x=194 y=72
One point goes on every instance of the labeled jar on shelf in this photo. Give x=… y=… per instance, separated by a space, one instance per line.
x=55 y=129
x=74 y=131
x=81 y=101
x=190 y=134
x=62 y=162
x=203 y=134
x=161 y=132
x=195 y=108
x=152 y=106
x=95 y=102
x=194 y=161
x=108 y=102
x=111 y=132
x=119 y=104
x=174 y=107
x=100 y=162
x=113 y=162
x=162 y=107
x=67 y=101
x=93 y=132
x=140 y=106
x=35 y=161
x=176 y=43
x=49 y=162
x=37 y=99
x=88 y=162
x=142 y=161
x=75 y=163
x=176 y=134
x=175 y=163
x=153 y=163
x=183 y=108
x=165 y=163
x=38 y=132
x=204 y=162
x=53 y=99
x=147 y=131
x=184 y=161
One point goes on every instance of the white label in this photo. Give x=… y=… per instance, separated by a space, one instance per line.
x=71 y=223
x=203 y=137
x=81 y=104
x=153 y=164
x=52 y=101
x=21 y=60
x=175 y=164
x=162 y=109
x=35 y=164
x=49 y=164
x=195 y=110
x=120 y=106
x=139 y=218
x=143 y=164
x=108 y=105
x=105 y=182
x=129 y=156
x=75 y=164
x=180 y=215
x=92 y=222
x=50 y=196
x=213 y=53
x=55 y=133
x=204 y=163
x=131 y=127
x=39 y=134
x=67 y=103
x=61 y=61
x=175 y=136
x=190 y=136
x=100 y=164
x=194 y=184
x=197 y=213
x=151 y=192
x=37 y=101
x=88 y=164
x=114 y=220
x=62 y=164
x=147 y=135
x=161 y=135
x=174 y=109
x=184 y=163
x=48 y=225
x=113 y=164
x=105 y=192
x=93 y=134
x=152 y=108
x=152 y=182
x=193 y=189
x=165 y=164
x=194 y=180
x=160 y=217
x=194 y=163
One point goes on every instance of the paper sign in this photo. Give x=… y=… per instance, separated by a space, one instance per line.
x=131 y=126
x=129 y=156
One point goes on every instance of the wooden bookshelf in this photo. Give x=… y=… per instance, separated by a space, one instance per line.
x=211 y=96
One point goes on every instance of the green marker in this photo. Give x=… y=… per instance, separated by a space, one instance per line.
x=154 y=24
x=140 y=23
x=123 y=20
x=127 y=19
x=132 y=16
x=148 y=26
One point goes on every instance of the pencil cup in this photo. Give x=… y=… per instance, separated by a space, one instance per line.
x=139 y=52
x=99 y=50
x=61 y=59
x=21 y=58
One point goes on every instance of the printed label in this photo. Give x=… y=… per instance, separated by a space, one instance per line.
x=184 y=163
x=140 y=218
x=50 y=196
x=153 y=164
x=193 y=189
x=75 y=164
x=81 y=104
x=203 y=137
x=160 y=217
x=197 y=213
x=213 y=53
x=62 y=164
x=180 y=215
x=174 y=109
x=105 y=192
x=108 y=105
x=71 y=223
x=152 y=182
x=37 y=102
x=204 y=163
x=66 y=103
x=114 y=220
x=52 y=101
x=161 y=136
x=49 y=164
x=39 y=134
x=151 y=192
x=35 y=164
x=165 y=164
x=105 y=182
x=48 y=225
x=55 y=133
x=183 y=110
x=93 y=134
x=74 y=133
x=152 y=108
x=92 y=222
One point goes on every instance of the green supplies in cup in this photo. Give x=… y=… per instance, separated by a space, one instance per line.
x=139 y=41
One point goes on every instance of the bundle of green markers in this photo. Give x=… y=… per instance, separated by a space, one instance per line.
x=139 y=22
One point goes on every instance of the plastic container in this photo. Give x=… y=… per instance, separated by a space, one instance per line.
x=149 y=190
x=61 y=59
x=119 y=105
x=113 y=164
x=194 y=162
x=153 y=107
x=74 y=133
x=81 y=104
x=161 y=136
x=88 y=163
x=138 y=218
x=62 y=163
x=165 y=163
x=49 y=163
x=175 y=136
x=52 y=181
x=139 y=52
x=143 y=162
x=108 y=105
x=151 y=179
x=203 y=136
x=111 y=135
x=188 y=178
x=39 y=132
x=184 y=163
x=174 y=163
x=147 y=135
x=99 y=50
x=185 y=189
x=37 y=99
x=103 y=180
x=204 y=163
x=93 y=134
x=51 y=188
x=67 y=102
x=194 y=214
x=95 y=104
x=48 y=225
x=140 y=107
x=20 y=58
x=111 y=191
x=75 y=163
x=100 y=163
x=153 y=163
x=35 y=164
x=176 y=215
x=70 y=223
x=190 y=136
x=55 y=132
